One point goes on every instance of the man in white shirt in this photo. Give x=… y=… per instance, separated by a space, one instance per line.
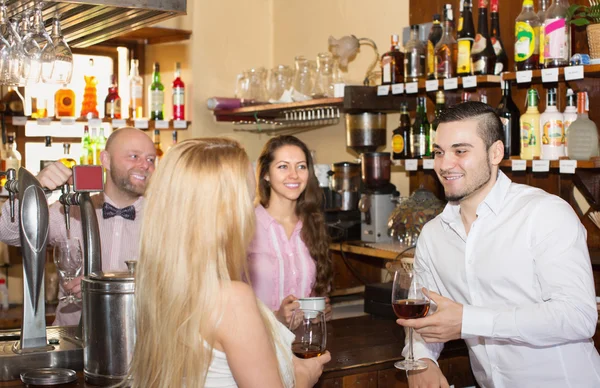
x=507 y=266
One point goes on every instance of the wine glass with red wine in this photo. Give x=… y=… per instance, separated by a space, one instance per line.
x=310 y=330
x=409 y=302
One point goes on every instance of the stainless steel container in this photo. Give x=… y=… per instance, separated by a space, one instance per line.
x=108 y=326
x=345 y=180
x=366 y=132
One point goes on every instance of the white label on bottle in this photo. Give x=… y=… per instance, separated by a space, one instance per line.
x=412 y=87
x=469 y=82
x=179 y=124
x=519 y=165
x=157 y=99
x=397 y=88
x=432 y=85
x=140 y=124
x=137 y=91
x=555 y=41
x=450 y=83
x=44 y=121
x=118 y=123
x=540 y=165
x=550 y=75
x=387 y=72
x=178 y=96
x=19 y=120
x=411 y=164
x=524 y=76
x=94 y=122
x=161 y=124
x=573 y=72
x=383 y=90
x=427 y=164
x=67 y=120
x=567 y=166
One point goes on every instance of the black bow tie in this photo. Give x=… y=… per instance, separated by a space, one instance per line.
x=109 y=211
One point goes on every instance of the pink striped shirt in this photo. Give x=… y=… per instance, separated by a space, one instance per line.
x=279 y=266
x=119 y=240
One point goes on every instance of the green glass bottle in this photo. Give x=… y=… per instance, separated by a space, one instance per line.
x=157 y=95
x=86 y=144
x=419 y=136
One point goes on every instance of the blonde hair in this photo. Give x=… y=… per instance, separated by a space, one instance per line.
x=198 y=222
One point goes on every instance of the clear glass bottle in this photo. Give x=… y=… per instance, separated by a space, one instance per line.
x=542 y=8
x=527 y=45
x=323 y=86
x=157 y=95
x=136 y=91
x=445 y=50
x=100 y=145
x=86 y=148
x=552 y=129
x=414 y=56
x=530 y=127
x=582 y=138
x=570 y=114
x=434 y=37
x=557 y=35
x=303 y=81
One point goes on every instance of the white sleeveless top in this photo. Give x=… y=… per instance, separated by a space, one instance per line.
x=219 y=374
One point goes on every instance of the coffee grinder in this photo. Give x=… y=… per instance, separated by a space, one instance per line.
x=341 y=201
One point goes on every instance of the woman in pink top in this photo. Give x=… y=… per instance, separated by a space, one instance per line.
x=289 y=255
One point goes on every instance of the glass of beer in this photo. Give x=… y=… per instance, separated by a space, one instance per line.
x=311 y=333
x=409 y=302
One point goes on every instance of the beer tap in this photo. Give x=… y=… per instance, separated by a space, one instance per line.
x=65 y=190
x=12 y=186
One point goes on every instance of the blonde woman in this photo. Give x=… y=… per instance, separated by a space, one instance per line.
x=198 y=324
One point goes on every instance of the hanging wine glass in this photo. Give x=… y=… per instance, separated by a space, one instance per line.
x=38 y=46
x=30 y=61
x=63 y=57
x=5 y=47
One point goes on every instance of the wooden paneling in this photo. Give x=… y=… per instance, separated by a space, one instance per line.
x=369 y=270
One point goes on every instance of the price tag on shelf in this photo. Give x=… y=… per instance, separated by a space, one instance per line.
x=540 y=166
x=118 y=123
x=67 y=121
x=432 y=85
x=140 y=124
x=94 y=122
x=427 y=164
x=397 y=88
x=573 y=73
x=469 y=82
x=44 y=121
x=567 y=166
x=524 y=77
x=550 y=75
x=411 y=164
x=450 y=83
x=179 y=124
x=383 y=90
x=519 y=165
x=412 y=87
x=19 y=120
x=161 y=124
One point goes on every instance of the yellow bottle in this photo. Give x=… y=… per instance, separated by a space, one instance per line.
x=530 y=128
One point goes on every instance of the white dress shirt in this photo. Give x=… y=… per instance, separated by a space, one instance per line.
x=524 y=276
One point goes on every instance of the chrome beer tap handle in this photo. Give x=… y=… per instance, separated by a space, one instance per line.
x=12 y=186
x=65 y=201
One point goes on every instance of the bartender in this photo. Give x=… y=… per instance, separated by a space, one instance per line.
x=129 y=160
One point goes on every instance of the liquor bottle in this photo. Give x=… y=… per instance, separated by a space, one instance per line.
x=401 y=136
x=465 y=96
x=583 y=133
x=392 y=64
x=552 y=129
x=136 y=91
x=178 y=94
x=527 y=38
x=157 y=95
x=419 y=136
x=11 y=158
x=86 y=144
x=64 y=102
x=465 y=41
x=557 y=40
x=12 y=103
x=483 y=56
x=100 y=145
x=90 y=99
x=174 y=140
x=112 y=103
x=501 y=57
x=570 y=114
x=542 y=8
x=414 y=57
x=530 y=127
x=67 y=159
x=435 y=34
x=445 y=50
x=159 y=151
x=93 y=147
x=510 y=117
x=461 y=11
x=440 y=106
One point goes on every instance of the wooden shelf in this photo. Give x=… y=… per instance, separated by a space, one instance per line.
x=128 y=122
x=273 y=110
x=589 y=71
x=151 y=35
x=555 y=164
x=360 y=248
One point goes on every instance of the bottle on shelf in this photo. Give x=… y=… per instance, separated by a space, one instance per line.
x=12 y=103
x=178 y=94
x=530 y=127
x=461 y=11
x=510 y=117
x=542 y=8
x=86 y=148
x=90 y=99
x=100 y=145
x=136 y=91
x=465 y=96
x=483 y=56
x=392 y=63
x=419 y=136
x=582 y=138
x=501 y=57
x=93 y=148
x=401 y=136
x=157 y=95
x=11 y=158
x=552 y=129
x=173 y=140
x=527 y=43
x=435 y=34
x=159 y=151
x=112 y=103
x=557 y=35
x=445 y=50
x=570 y=114
x=440 y=106
x=67 y=158
x=414 y=57
x=64 y=102
x=465 y=41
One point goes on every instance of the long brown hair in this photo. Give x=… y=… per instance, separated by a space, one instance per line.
x=308 y=208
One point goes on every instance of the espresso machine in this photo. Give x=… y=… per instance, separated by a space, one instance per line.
x=341 y=201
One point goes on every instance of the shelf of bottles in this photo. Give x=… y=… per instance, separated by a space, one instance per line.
x=565 y=166
x=144 y=124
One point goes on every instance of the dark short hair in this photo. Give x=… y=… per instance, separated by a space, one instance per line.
x=489 y=126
